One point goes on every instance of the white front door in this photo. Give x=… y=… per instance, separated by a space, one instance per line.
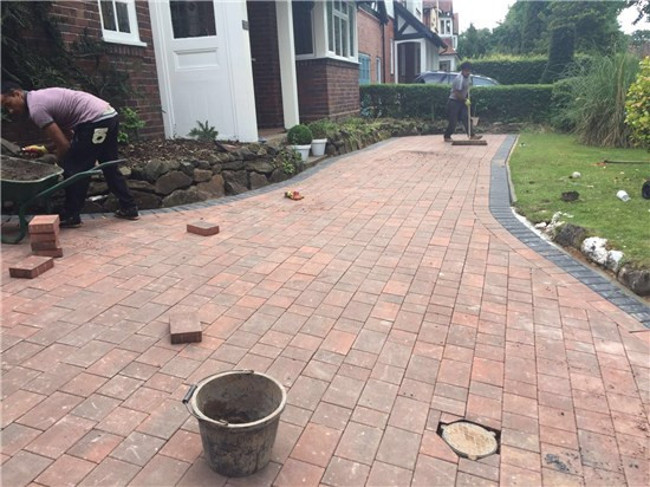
x=201 y=74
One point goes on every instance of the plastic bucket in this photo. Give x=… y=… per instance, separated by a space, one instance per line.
x=238 y=412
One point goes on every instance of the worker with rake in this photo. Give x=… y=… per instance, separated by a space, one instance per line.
x=83 y=129
x=458 y=104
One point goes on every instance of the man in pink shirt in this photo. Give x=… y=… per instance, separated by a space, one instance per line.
x=84 y=130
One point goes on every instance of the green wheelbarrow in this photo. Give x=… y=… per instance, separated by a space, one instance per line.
x=25 y=194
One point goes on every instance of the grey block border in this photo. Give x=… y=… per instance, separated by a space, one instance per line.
x=500 y=207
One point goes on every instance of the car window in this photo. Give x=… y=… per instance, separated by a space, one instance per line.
x=434 y=77
x=480 y=81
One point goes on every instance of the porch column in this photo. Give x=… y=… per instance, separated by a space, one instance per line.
x=288 y=78
x=424 y=65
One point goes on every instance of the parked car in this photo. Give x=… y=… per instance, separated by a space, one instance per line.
x=445 y=77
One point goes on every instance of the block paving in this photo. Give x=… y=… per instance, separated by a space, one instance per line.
x=388 y=301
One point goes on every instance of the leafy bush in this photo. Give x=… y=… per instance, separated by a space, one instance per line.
x=594 y=100
x=321 y=128
x=638 y=106
x=130 y=125
x=515 y=103
x=289 y=160
x=204 y=132
x=299 y=135
x=511 y=70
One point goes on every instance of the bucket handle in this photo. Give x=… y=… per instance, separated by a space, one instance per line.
x=190 y=392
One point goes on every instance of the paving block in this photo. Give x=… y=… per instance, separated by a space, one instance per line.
x=185 y=328
x=51 y=244
x=44 y=237
x=44 y=224
x=203 y=228
x=31 y=267
x=58 y=252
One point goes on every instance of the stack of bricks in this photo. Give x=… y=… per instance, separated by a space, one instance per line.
x=44 y=236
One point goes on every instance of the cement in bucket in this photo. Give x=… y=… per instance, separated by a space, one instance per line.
x=238 y=413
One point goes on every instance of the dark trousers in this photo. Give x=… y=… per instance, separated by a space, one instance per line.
x=456 y=110
x=94 y=142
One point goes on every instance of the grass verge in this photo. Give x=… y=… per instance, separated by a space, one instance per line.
x=541 y=167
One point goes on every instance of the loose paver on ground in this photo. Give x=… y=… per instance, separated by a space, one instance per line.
x=399 y=296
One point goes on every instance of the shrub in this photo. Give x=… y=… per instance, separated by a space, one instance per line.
x=289 y=160
x=515 y=103
x=299 y=135
x=204 y=132
x=638 y=106
x=130 y=125
x=321 y=129
x=594 y=100
x=512 y=70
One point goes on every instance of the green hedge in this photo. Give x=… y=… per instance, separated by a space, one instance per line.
x=519 y=71
x=507 y=104
x=526 y=71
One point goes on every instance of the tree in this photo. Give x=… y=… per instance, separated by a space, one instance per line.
x=528 y=25
x=596 y=25
x=642 y=7
x=474 y=43
x=560 y=54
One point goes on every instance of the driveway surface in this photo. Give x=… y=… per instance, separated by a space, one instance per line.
x=389 y=301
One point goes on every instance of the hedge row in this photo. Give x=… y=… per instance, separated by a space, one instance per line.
x=507 y=104
x=512 y=71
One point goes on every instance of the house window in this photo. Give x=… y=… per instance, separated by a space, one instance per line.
x=364 y=69
x=379 y=72
x=302 y=27
x=119 y=22
x=340 y=28
x=192 y=19
x=445 y=26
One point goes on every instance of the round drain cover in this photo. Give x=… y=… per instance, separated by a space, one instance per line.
x=470 y=440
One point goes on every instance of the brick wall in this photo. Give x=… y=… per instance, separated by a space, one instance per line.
x=74 y=18
x=369 y=30
x=266 y=65
x=327 y=88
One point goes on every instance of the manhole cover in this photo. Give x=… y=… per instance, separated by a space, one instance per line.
x=470 y=440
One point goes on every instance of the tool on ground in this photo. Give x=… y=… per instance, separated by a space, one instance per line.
x=293 y=195
x=470 y=140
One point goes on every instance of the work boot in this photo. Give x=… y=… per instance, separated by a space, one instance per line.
x=476 y=137
x=127 y=213
x=69 y=221
x=448 y=139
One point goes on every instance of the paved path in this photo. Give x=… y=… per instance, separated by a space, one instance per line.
x=388 y=301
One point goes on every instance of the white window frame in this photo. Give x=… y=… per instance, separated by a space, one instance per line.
x=130 y=38
x=349 y=19
x=378 y=66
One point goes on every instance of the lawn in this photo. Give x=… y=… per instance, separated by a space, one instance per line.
x=541 y=167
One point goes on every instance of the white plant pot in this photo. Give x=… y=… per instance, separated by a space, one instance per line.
x=303 y=150
x=318 y=147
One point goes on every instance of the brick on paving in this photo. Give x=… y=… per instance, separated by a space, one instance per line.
x=384 y=314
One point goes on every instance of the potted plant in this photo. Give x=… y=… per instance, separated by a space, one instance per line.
x=300 y=137
x=319 y=132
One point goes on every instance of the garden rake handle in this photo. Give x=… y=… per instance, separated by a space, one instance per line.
x=469 y=115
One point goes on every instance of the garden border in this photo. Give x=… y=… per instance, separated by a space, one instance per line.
x=501 y=198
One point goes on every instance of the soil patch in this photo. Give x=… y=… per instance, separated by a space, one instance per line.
x=141 y=152
x=16 y=169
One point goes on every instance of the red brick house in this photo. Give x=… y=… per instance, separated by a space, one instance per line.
x=244 y=65
x=376 y=33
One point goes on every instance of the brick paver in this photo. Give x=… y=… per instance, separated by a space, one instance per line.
x=388 y=301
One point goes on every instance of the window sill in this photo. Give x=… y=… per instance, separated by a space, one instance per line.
x=125 y=42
